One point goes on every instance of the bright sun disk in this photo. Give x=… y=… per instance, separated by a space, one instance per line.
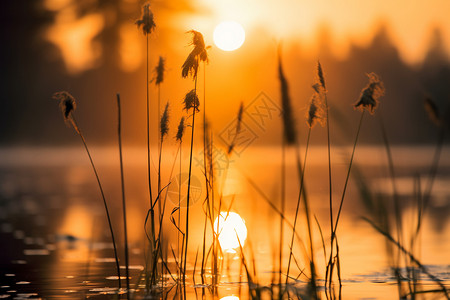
x=229 y=35
x=230 y=227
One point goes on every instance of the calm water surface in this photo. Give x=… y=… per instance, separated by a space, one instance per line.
x=56 y=244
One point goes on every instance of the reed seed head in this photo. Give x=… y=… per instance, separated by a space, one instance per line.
x=190 y=66
x=433 y=111
x=240 y=113
x=146 y=20
x=191 y=101
x=320 y=75
x=316 y=112
x=371 y=93
x=238 y=127
x=67 y=103
x=180 y=131
x=199 y=53
x=165 y=122
x=290 y=133
x=159 y=70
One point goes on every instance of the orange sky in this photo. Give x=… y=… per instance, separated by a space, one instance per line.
x=351 y=21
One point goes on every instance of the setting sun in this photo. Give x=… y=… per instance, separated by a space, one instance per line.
x=229 y=35
x=228 y=227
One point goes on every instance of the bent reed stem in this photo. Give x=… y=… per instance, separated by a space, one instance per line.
x=75 y=125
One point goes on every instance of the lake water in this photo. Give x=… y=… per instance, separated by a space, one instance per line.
x=56 y=243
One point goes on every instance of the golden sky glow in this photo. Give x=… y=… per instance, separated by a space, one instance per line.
x=351 y=21
x=409 y=23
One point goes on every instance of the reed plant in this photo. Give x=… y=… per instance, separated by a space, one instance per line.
x=368 y=101
x=164 y=129
x=148 y=26
x=290 y=139
x=191 y=101
x=158 y=79
x=67 y=104
x=314 y=115
x=179 y=139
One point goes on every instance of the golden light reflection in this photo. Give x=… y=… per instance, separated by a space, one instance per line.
x=77 y=222
x=229 y=298
x=230 y=227
x=229 y=35
x=74 y=36
x=134 y=223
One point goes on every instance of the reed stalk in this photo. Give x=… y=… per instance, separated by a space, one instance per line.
x=368 y=101
x=289 y=137
x=179 y=138
x=205 y=174
x=330 y=265
x=322 y=85
x=148 y=25
x=67 y=104
x=124 y=207
x=434 y=165
x=189 y=183
x=291 y=245
x=116 y=257
x=190 y=67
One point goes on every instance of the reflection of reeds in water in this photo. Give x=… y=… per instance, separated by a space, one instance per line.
x=68 y=105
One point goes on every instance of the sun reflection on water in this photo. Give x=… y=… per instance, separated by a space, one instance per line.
x=229 y=298
x=230 y=227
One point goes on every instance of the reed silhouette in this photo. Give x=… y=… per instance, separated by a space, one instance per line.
x=67 y=104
